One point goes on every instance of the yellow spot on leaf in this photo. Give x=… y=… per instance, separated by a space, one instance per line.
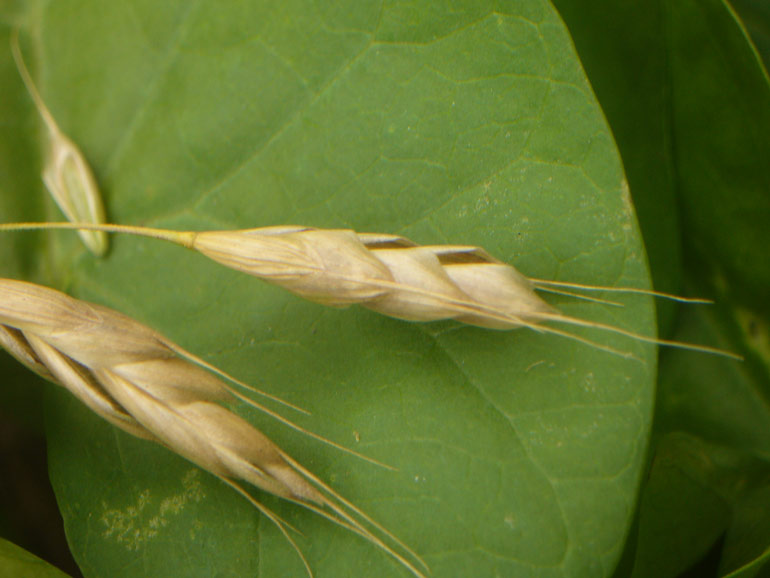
x=138 y=523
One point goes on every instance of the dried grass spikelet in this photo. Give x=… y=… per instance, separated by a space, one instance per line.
x=385 y=273
x=394 y=276
x=153 y=389
x=67 y=174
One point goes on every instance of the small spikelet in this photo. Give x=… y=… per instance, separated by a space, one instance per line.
x=151 y=388
x=67 y=175
x=394 y=276
x=385 y=273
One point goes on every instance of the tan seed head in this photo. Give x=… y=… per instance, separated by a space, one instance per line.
x=151 y=388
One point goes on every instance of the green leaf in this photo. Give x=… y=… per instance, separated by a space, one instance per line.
x=718 y=484
x=721 y=119
x=518 y=453
x=755 y=14
x=704 y=489
x=753 y=568
x=20 y=393
x=18 y=163
x=687 y=97
x=682 y=512
x=16 y=561
x=627 y=66
x=746 y=549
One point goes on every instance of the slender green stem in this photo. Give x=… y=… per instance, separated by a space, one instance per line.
x=184 y=238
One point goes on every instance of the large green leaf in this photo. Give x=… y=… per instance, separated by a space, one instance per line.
x=755 y=14
x=703 y=489
x=626 y=64
x=704 y=92
x=15 y=561
x=18 y=157
x=518 y=453
x=721 y=117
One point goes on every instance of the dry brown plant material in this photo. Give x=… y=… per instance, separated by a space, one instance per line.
x=67 y=174
x=151 y=388
x=394 y=276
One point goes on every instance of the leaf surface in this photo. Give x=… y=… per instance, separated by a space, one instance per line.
x=15 y=561
x=517 y=453
x=687 y=95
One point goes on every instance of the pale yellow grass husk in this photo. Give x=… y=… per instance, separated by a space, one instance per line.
x=394 y=276
x=67 y=175
x=151 y=388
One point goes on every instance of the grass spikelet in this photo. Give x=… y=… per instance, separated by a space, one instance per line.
x=66 y=174
x=151 y=388
x=394 y=276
